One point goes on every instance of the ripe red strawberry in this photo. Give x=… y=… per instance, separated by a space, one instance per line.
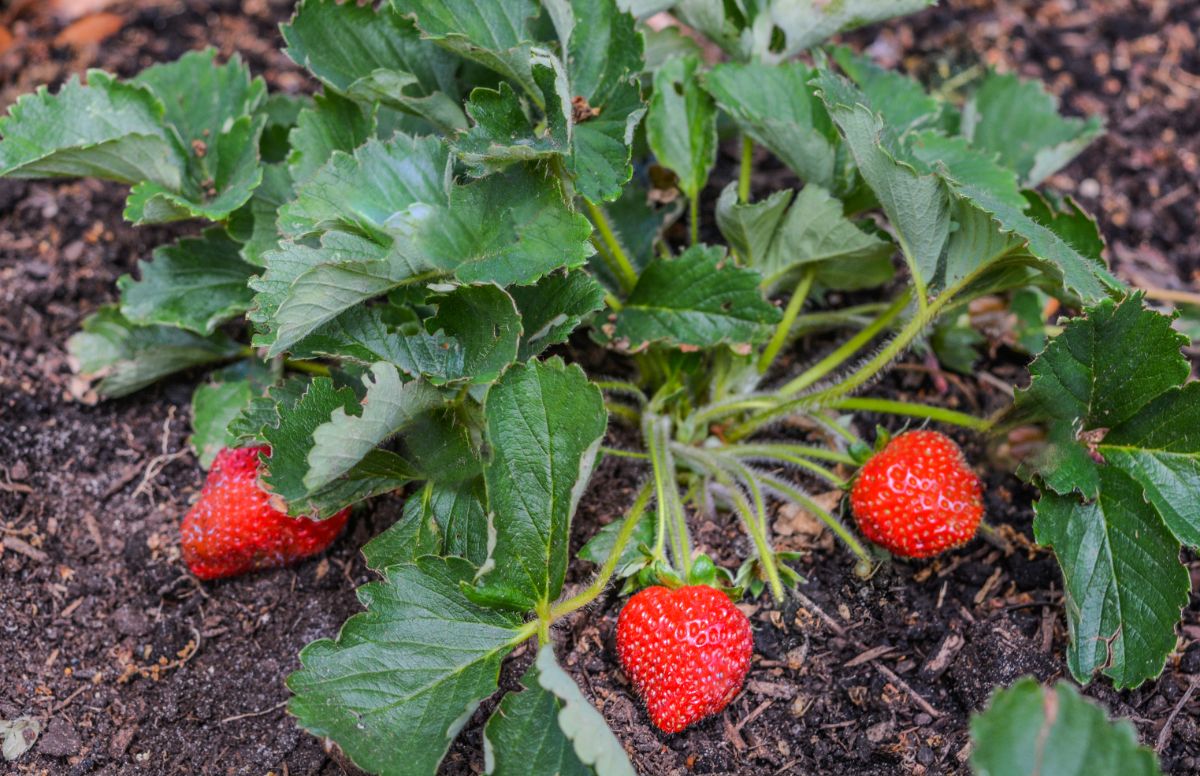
x=233 y=529
x=917 y=497
x=686 y=651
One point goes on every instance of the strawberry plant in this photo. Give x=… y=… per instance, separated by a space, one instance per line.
x=394 y=265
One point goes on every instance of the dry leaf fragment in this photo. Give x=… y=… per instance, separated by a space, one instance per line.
x=90 y=30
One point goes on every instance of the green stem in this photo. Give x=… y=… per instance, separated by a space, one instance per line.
x=620 y=386
x=780 y=337
x=616 y=452
x=856 y=379
x=754 y=519
x=771 y=449
x=310 y=367
x=621 y=266
x=846 y=350
x=890 y=407
x=746 y=168
x=694 y=219
x=800 y=497
x=544 y=618
x=588 y=595
x=671 y=521
x=613 y=303
x=623 y=411
x=833 y=319
x=795 y=460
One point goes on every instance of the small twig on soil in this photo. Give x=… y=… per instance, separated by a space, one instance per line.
x=888 y=673
x=1164 y=735
x=67 y=700
x=249 y=714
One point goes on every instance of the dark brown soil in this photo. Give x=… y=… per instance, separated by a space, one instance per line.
x=135 y=668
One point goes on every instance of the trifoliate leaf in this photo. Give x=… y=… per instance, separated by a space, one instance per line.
x=681 y=125
x=917 y=205
x=213 y=111
x=815 y=231
x=700 y=299
x=388 y=407
x=1119 y=477
x=776 y=106
x=106 y=129
x=196 y=284
x=495 y=34
x=975 y=177
x=375 y=54
x=544 y=424
x=1019 y=121
x=412 y=668
x=126 y=357
x=1029 y=730
x=553 y=307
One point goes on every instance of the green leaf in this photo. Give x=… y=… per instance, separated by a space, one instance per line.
x=441 y=519
x=750 y=227
x=918 y=206
x=246 y=429
x=375 y=55
x=412 y=668
x=215 y=405
x=1019 y=121
x=362 y=192
x=1124 y=587
x=414 y=535
x=815 y=231
x=553 y=307
x=1029 y=730
x=600 y=546
x=126 y=357
x=333 y=123
x=340 y=443
x=213 y=111
x=282 y=110
x=901 y=101
x=1119 y=477
x=594 y=742
x=681 y=125
x=544 y=425
x=486 y=329
x=978 y=179
x=104 y=130
x=300 y=291
x=504 y=229
x=494 y=34
x=522 y=736
x=699 y=299
x=805 y=23
x=776 y=30
x=255 y=224
x=550 y=728
x=196 y=284
x=290 y=434
x=776 y=106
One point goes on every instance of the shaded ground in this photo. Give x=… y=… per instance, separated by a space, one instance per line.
x=137 y=669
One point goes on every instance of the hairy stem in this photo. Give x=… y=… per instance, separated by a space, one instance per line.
x=794 y=494
x=694 y=219
x=890 y=407
x=586 y=596
x=308 y=367
x=621 y=267
x=846 y=350
x=780 y=337
x=747 y=167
